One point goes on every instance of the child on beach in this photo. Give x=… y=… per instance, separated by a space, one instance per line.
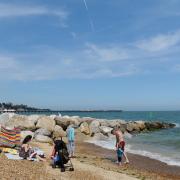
x=120 y=142
x=119 y=154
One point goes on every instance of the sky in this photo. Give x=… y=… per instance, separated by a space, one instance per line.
x=90 y=54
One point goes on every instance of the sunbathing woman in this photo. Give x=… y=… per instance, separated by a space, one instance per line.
x=26 y=151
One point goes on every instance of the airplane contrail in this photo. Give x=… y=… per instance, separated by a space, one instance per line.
x=85 y=4
x=90 y=19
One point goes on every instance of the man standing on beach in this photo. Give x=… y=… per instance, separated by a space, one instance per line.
x=70 y=137
x=120 y=141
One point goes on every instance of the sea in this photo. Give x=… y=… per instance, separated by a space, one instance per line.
x=162 y=145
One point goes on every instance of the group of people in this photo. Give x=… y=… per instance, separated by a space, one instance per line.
x=27 y=152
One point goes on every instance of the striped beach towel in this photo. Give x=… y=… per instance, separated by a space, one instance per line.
x=10 y=138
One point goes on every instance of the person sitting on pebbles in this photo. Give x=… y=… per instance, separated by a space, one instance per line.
x=120 y=143
x=26 y=151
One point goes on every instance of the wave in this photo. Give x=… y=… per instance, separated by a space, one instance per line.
x=155 y=156
x=110 y=144
x=177 y=125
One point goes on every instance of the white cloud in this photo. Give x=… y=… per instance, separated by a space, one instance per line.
x=7 y=62
x=92 y=61
x=111 y=53
x=14 y=11
x=160 y=42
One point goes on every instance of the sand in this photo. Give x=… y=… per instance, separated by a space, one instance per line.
x=91 y=163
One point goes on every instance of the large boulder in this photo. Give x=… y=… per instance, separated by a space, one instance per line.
x=112 y=123
x=58 y=132
x=129 y=127
x=158 y=125
x=65 y=121
x=46 y=122
x=94 y=127
x=26 y=133
x=43 y=139
x=43 y=132
x=21 y=121
x=105 y=130
x=5 y=118
x=141 y=125
x=86 y=119
x=84 y=128
x=33 y=118
x=153 y=125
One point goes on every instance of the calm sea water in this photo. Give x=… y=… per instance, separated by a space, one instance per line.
x=163 y=145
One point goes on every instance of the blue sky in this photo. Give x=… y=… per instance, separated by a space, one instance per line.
x=89 y=54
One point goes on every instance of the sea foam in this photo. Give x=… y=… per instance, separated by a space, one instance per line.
x=177 y=125
x=110 y=144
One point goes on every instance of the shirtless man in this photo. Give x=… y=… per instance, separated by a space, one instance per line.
x=120 y=141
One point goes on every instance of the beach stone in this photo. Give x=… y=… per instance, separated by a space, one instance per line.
x=53 y=116
x=58 y=132
x=84 y=128
x=43 y=132
x=26 y=133
x=122 y=122
x=43 y=139
x=136 y=127
x=22 y=122
x=141 y=125
x=86 y=119
x=65 y=121
x=114 y=123
x=46 y=122
x=94 y=127
x=129 y=127
x=105 y=130
x=33 y=118
x=5 y=118
x=100 y=136
x=168 y=125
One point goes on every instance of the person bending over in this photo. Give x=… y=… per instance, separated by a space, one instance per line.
x=120 y=142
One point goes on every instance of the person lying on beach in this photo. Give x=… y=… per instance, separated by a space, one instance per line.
x=120 y=142
x=26 y=151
